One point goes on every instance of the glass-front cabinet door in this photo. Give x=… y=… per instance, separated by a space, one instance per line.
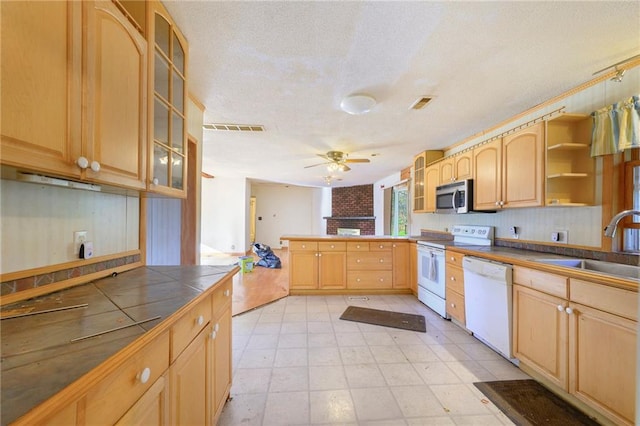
x=167 y=168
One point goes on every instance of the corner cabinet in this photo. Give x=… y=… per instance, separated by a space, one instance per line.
x=68 y=111
x=420 y=195
x=508 y=172
x=570 y=171
x=167 y=166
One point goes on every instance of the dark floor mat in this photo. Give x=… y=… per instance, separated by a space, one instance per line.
x=385 y=318
x=527 y=402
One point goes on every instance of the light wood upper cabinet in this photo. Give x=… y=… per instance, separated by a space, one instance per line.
x=167 y=166
x=420 y=195
x=64 y=98
x=432 y=180
x=457 y=167
x=116 y=97
x=41 y=86
x=509 y=171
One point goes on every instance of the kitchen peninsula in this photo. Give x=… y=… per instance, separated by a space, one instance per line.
x=148 y=346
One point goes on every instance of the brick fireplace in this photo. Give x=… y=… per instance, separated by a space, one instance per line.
x=352 y=208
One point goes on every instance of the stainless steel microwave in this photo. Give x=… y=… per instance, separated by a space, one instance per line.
x=455 y=197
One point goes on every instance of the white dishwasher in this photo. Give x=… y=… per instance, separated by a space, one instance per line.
x=487 y=299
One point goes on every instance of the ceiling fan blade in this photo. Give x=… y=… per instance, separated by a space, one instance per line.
x=316 y=165
x=357 y=160
x=345 y=168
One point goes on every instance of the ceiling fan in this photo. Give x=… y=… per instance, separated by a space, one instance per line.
x=330 y=179
x=337 y=160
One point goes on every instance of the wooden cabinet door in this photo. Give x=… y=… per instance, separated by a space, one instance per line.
x=152 y=409
x=523 y=167
x=401 y=265
x=447 y=173
x=540 y=327
x=463 y=166
x=487 y=184
x=303 y=270
x=115 y=97
x=221 y=363
x=602 y=353
x=418 y=183
x=431 y=181
x=332 y=270
x=413 y=267
x=190 y=383
x=41 y=86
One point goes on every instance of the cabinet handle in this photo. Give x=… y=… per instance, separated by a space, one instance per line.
x=82 y=162
x=200 y=320
x=453 y=259
x=453 y=305
x=357 y=260
x=319 y=254
x=227 y=292
x=452 y=278
x=213 y=334
x=358 y=246
x=381 y=279
x=358 y=280
x=560 y=308
x=304 y=246
x=394 y=246
x=497 y=203
x=216 y=327
x=332 y=246
x=502 y=203
x=144 y=376
x=381 y=246
x=95 y=166
x=381 y=260
x=568 y=311
x=155 y=181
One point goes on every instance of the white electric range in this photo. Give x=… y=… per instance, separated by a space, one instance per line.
x=431 y=262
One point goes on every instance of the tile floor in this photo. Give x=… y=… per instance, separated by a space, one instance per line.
x=296 y=363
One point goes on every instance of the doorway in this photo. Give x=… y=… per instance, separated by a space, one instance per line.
x=252 y=219
x=399 y=225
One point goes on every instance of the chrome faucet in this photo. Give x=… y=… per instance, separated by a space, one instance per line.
x=610 y=229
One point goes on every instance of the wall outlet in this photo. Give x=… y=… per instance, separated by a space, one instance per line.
x=561 y=237
x=79 y=237
x=514 y=232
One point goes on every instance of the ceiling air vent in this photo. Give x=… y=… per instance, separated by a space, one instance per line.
x=421 y=102
x=234 y=127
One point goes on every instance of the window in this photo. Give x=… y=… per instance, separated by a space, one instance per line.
x=631 y=225
x=400 y=210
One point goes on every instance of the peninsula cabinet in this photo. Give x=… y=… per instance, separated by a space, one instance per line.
x=579 y=336
x=317 y=265
x=508 y=172
x=67 y=110
x=167 y=104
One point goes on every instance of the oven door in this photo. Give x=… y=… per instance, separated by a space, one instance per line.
x=431 y=272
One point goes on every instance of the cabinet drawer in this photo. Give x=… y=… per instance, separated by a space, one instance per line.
x=113 y=396
x=455 y=305
x=454 y=258
x=222 y=296
x=334 y=246
x=303 y=246
x=381 y=246
x=543 y=281
x=609 y=299
x=188 y=327
x=369 y=279
x=369 y=261
x=455 y=279
x=357 y=246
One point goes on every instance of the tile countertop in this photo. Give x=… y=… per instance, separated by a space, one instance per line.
x=530 y=259
x=38 y=359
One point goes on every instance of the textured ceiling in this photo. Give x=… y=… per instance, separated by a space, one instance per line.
x=287 y=66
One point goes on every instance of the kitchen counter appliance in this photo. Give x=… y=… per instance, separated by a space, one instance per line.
x=431 y=262
x=488 y=307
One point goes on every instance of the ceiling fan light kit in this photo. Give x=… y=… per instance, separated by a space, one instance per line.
x=357 y=104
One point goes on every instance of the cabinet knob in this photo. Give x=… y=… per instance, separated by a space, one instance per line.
x=332 y=246
x=216 y=327
x=381 y=279
x=502 y=203
x=453 y=259
x=560 y=308
x=95 y=166
x=394 y=246
x=82 y=162
x=358 y=280
x=453 y=305
x=568 y=311
x=226 y=292
x=381 y=260
x=358 y=246
x=304 y=246
x=213 y=334
x=200 y=320
x=144 y=376
x=381 y=246
x=452 y=278
x=357 y=260
x=319 y=254
x=155 y=181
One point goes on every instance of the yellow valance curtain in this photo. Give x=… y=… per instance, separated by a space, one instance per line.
x=616 y=127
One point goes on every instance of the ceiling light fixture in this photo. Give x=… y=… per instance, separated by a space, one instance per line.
x=357 y=104
x=618 y=77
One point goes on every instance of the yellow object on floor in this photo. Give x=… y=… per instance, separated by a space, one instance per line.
x=245 y=263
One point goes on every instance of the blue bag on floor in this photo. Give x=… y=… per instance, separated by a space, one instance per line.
x=268 y=259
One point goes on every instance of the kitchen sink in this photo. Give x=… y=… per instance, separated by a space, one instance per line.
x=608 y=268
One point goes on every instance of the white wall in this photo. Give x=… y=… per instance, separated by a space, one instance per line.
x=289 y=210
x=38 y=222
x=224 y=215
